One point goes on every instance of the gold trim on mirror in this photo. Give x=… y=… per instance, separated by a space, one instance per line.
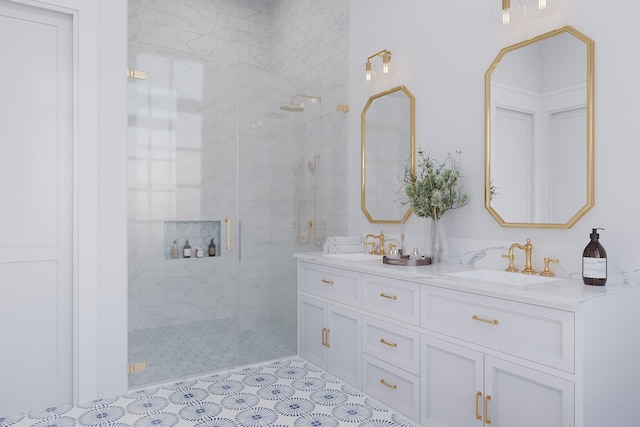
x=363 y=158
x=491 y=191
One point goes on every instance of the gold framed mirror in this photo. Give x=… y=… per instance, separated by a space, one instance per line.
x=388 y=133
x=539 y=131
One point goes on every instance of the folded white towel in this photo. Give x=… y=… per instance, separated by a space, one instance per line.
x=347 y=239
x=346 y=248
x=344 y=239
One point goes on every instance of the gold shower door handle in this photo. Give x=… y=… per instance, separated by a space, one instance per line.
x=228 y=221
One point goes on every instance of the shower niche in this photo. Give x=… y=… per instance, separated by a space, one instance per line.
x=198 y=233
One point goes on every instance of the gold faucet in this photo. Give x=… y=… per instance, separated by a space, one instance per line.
x=547 y=272
x=376 y=248
x=527 y=248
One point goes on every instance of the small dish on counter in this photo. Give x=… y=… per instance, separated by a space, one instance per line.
x=407 y=261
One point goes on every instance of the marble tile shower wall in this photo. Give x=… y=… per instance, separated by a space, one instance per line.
x=213 y=80
x=311 y=43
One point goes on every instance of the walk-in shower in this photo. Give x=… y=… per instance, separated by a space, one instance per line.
x=209 y=163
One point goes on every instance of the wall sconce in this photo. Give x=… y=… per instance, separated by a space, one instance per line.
x=386 y=59
x=506 y=14
x=540 y=8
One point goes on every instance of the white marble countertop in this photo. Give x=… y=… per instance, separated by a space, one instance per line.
x=558 y=292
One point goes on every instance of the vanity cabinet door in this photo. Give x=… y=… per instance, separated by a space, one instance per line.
x=452 y=385
x=344 y=344
x=329 y=337
x=312 y=330
x=462 y=387
x=524 y=397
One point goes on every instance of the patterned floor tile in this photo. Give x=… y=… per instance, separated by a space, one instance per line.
x=290 y=392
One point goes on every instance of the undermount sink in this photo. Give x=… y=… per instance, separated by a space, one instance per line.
x=503 y=277
x=357 y=256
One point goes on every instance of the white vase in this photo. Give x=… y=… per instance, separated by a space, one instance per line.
x=437 y=242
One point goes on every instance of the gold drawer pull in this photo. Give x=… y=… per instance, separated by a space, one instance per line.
x=383 y=295
x=478 y=396
x=328 y=332
x=480 y=319
x=328 y=282
x=390 y=344
x=486 y=409
x=382 y=381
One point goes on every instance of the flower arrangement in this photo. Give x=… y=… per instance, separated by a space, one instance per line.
x=432 y=189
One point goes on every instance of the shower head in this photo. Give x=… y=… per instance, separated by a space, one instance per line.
x=298 y=107
x=292 y=108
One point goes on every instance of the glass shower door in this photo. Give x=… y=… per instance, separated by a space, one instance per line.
x=183 y=311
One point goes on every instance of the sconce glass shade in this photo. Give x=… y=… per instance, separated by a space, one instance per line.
x=386 y=59
x=367 y=72
x=540 y=8
x=506 y=14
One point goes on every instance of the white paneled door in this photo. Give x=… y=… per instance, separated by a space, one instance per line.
x=36 y=207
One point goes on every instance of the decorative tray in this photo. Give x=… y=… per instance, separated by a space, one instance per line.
x=406 y=261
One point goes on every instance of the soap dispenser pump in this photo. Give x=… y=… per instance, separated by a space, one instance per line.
x=594 y=261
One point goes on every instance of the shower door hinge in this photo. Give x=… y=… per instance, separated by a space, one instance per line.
x=136 y=74
x=136 y=367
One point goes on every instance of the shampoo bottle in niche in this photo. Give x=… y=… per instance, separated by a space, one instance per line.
x=186 y=251
x=212 y=248
x=175 y=253
x=594 y=262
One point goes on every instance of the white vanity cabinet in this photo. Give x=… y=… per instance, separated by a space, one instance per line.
x=448 y=353
x=328 y=327
x=506 y=393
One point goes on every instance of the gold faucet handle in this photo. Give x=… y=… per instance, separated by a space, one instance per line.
x=511 y=268
x=547 y=272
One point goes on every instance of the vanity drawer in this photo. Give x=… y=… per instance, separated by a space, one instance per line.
x=392 y=386
x=540 y=334
x=332 y=283
x=397 y=299
x=392 y=343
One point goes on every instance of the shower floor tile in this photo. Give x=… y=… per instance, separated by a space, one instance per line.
x=181 y=351
x=290 y=392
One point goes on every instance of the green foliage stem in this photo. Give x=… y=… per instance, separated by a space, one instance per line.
x=433 y=188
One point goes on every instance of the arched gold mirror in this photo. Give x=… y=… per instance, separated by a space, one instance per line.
x=539 y=138
x=387 y=143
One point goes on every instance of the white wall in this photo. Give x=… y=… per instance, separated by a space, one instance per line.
x=441 y=51
x=111 y=244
